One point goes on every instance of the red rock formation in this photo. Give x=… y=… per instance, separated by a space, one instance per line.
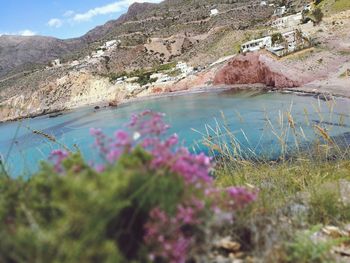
x=255 y=68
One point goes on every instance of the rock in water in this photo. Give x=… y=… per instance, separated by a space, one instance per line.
x=112 y=104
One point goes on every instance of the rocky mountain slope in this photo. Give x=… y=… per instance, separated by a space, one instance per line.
x=143 y=23
x=154 y=36
x=20 y=53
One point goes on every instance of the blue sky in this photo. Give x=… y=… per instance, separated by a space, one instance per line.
x=58 y=18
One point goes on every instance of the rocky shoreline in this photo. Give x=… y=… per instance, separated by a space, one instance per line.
x=80 y=89
x=103 y=104
x=323 y=70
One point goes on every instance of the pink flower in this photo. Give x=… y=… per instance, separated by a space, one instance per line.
x=58 y=156
x=165 y=235
x=95 y=132
x=113 y=155
x=240 y=197
x=122 y=138
x=100 y=168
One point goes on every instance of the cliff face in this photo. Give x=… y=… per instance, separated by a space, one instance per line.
x=255 y=68
x=76 y=89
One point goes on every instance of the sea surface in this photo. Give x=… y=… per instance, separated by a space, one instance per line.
x=255 y=119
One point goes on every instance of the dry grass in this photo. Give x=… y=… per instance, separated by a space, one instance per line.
x=299 y=190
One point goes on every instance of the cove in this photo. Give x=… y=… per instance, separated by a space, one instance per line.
x=249 y=115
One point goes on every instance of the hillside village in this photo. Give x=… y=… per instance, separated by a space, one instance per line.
x=118 y=68
x=288 y=34
x=237 y=149
x=290 y=31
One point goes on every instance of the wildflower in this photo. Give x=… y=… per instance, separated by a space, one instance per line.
x=95 y=132
x=58 y=156
x=100 y=168
x=240 y=197
x=170 y=237
x=122 y=138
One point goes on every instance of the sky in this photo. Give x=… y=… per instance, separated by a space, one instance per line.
x=58 y=18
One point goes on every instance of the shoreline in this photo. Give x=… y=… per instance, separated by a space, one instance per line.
x=197 y=90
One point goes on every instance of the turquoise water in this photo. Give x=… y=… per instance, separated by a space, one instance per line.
x=244 y=111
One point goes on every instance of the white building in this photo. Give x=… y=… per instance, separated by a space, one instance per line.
x=291 y=43
x=287 y=21
x=157 y=75
x=214 y=12
x=256 y=44
x=307 y=7
x=99 y=53
x=74 y=63
x=280 y=11
x=184 y=68
x=111 y=43
x=164 y=78
x=56 y=63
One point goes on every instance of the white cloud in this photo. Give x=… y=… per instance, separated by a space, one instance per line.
x=26 y=33
x=69 y=13
x=114 y=7
x=55 y=22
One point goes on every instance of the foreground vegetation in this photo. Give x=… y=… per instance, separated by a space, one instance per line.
x=297 y=200
x=149 y=200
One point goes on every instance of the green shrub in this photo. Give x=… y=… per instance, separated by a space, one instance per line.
x=318 y=15
x=147 y=194
x=304 y=249
x=277 y=38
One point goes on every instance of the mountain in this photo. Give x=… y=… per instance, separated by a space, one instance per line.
x=21 y=53
x=103 y=30
x=142 y=22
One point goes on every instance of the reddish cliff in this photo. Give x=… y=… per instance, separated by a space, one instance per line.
x=256 y=68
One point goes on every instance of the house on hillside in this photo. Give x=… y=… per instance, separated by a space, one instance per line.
x=256 y=44
x=307 y=7
x=184 y=68
x=214 y=12
x=293 y=40
x=110 y=44
x=55 y=63
x=99 y=53
x=280 y=11
x=74 y=63
x=287 y=21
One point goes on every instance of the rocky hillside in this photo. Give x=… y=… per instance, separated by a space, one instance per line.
x=149 y=35
x=22 y=53
x=182 y=23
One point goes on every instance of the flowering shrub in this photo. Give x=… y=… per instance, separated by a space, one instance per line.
x=170 y=236
x=148 y=200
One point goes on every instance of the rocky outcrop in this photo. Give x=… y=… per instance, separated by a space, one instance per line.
x=74 y=90
x=255 y=68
